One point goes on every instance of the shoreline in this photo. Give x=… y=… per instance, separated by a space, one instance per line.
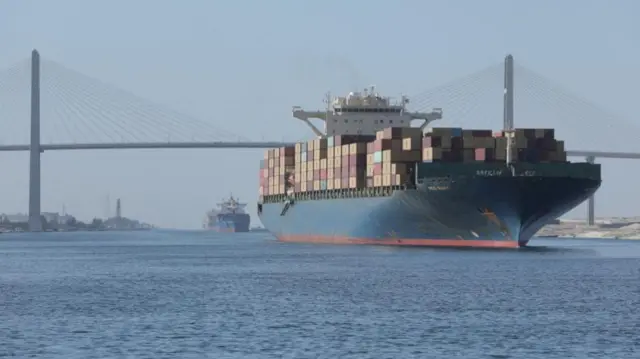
x=605 y=228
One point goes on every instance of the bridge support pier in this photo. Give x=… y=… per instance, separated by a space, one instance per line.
x=35 y=222
x=591 y=206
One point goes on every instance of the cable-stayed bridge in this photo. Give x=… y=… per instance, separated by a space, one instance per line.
x=83 y=113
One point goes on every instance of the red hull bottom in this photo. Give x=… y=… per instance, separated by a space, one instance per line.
x=399 y=241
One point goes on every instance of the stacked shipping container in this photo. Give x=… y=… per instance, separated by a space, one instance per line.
x=391 y=155
x=352 y=162
x=458 y=145
x=276 y=171
x=336 y=162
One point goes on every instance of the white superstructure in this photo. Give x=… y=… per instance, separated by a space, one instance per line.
x=363 y=113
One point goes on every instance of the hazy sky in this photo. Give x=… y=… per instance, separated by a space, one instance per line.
x=241 y=65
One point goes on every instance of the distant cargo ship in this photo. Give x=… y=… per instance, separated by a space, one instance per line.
x=372 y=178
x=230 y=216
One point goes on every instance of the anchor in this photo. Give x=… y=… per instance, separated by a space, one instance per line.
x=287 y=204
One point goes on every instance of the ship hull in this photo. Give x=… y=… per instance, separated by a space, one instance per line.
x=240 y=223
x=468 y=211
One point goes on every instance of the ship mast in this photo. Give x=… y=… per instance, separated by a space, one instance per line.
x=508 y=107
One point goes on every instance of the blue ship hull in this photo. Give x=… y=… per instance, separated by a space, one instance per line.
x=231 y=223
x=460 y=211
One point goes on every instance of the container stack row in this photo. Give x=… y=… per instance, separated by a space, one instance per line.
x=336 y=162
x=388 y=158
x=532 y=145
x=457 y=145
x=276 y=171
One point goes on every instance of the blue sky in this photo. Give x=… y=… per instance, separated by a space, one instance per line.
x=241 y=65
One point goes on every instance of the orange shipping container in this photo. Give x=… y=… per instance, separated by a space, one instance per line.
x=377 y=180
x=356 y=182
x=386 y=167
x=370 y=171
x=386 y=180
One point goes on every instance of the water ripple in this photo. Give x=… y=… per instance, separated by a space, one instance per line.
x=195 y=295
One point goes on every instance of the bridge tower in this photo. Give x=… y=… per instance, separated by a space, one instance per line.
x=35 y=222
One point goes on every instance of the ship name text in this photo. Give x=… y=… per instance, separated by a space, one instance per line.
x=489 y=173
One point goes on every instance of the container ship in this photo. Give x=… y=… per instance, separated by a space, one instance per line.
x=373 y=178
x=230 y=216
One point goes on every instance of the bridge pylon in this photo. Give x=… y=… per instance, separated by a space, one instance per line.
x=35 y=222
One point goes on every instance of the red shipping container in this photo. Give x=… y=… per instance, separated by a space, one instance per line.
x=323 y=174
x=287 y=151
x=382 y=144
x=377 y=169
x=484 y=154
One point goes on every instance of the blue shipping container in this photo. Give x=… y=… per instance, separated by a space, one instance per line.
x=377 y=157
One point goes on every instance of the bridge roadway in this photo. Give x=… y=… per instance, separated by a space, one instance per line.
x=145 y=145
x=225 y=144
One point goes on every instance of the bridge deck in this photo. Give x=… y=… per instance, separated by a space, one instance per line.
x=223 y=144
